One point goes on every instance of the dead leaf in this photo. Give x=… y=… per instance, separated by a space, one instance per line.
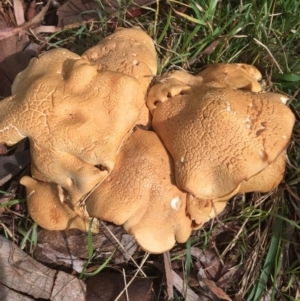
x=211 y=48
x=3 y=149
x=168 y=275
x=130 y=246
x=217 y=291
x=7 y=294
x=209 y=260
x=31 y=11
x=77 y=11
x=180 y=284
x=22 y=273
x=19 y=12
x=59 y=248
x=107 y=286
x=233 y=273
x=12 y=165
x=14 y=57
x=8 y=32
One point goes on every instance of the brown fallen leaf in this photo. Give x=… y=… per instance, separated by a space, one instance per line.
x=179 y=284
x=232 y=274
x=14 y=57
x=209 y=260
x=31 y=11
x=107 y=286
x=7 y=294
x=22 y=273
x=12 y=165
x=70 y=248
x=168 y=275
x=208 y=50
x=10 y=31
x=76 y=11
x=19 y=12
x=217 y=291
x=3 y=149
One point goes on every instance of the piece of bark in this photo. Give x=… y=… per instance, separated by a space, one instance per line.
x=22 y=273
x=107 y=286
x=7 y=294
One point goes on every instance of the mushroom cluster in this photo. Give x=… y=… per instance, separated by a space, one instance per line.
x=209 y=137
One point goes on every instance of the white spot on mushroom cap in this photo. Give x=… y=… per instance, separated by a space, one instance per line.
x=284 y=99
x=60 y=193
x=176 y=203
x=69 y=182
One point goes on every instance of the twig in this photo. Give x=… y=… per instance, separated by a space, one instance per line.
x=270 y=53
x=168 y=274
x=134 y=276
x=122 y=247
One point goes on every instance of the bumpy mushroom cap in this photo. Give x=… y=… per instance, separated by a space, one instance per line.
x=267 y=179
x=129 y=51
x=75 y=116
x=234 y=76
x=140 y=195
x=50 y=208
x=219 y=137
x=201 y=211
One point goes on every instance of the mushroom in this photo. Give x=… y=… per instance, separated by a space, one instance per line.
x=201 y=210
x=268 y=179
x=140 y=195
x=223 y=138
x=218 y=137
x=129 y=51
x=234 y=76
x=75 y=115
x=49 y=206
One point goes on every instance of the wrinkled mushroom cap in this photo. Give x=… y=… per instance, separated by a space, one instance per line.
x=140 y=194
x=234 y=76
x=267 y=179
x=128 y=50
x=73 y=113
x=219 y=137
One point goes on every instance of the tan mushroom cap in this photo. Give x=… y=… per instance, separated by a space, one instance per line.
x=49 y=208
x=200 y=211
x=268 y=179
x=140 y=195
x=75 y=116
x=234 y=76
x=219 y=137
x=128 y=50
